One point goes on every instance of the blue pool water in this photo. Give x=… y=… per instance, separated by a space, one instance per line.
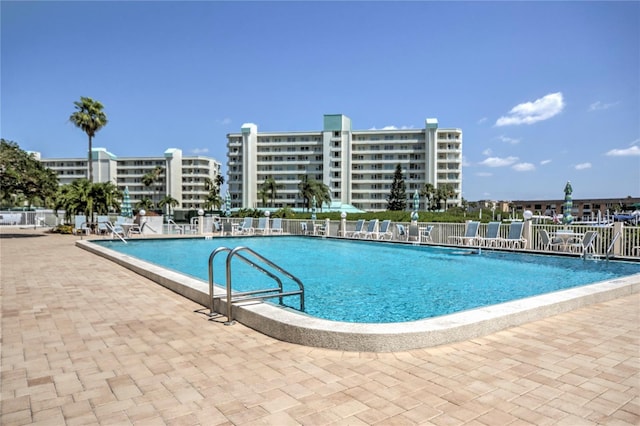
x=365 y=282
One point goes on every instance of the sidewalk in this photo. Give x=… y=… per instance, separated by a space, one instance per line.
x=85 y=341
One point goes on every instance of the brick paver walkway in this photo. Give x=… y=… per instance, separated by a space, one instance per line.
x=87 y=342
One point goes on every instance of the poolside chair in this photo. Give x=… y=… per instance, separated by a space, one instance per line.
x=262 y=227
x=402 y=232
x=358 y=230
x=584 y=245
x=414 y=233
x=549 y=243
x=81 y=225
x=492 y=237
x=385 y=230
x=514 y=238
x=227 y=228
x=276 y=225
x=246 y=227
x=425 y=234
x=102 y=224
x=115 y=230
x=372 y=230
x=470 y=234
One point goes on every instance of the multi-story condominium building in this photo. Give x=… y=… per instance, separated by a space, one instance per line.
x=182 y=177
x=356 y=165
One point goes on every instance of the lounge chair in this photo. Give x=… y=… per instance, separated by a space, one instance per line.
x=372 y=230
x=246 y=227
x=425 y=234
x=262 y=227
x=470 y=234
x=492 y=237
x=402 y=232
x=102 y=224
x=549 y=243
x=385 y=230
x=514 y=238
x=227 y=228
x=584 y=245
x=115 y=230
x=307 y=228
x=276 y=226
x=358 y=230
x=81 y=225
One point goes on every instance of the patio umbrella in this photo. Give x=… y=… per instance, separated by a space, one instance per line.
x=416 y=205
x=313 y=208
x=568 y=204
x=227 y=204
x=125 y=209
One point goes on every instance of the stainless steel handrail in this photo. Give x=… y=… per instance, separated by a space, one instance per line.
x=254 y=294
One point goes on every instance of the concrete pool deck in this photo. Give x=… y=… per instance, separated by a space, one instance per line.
x=85 y=341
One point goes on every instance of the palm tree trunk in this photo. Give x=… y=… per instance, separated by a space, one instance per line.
x=90 y=161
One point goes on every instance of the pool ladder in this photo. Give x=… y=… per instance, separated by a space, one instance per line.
x=263 y=294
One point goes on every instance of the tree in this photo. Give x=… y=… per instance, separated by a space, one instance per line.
x=75 y=198
x=145 y=203
x=150 y=178
x=24 y=177
x=397 y=199
x=429 y=192
x=168 y=201
x=269 y=188
x=90 y=118
x=443 y=193
x=310 y=188
x=106 y=197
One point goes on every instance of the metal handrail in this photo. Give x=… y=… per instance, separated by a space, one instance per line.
x=253 y=294
x=610 y=248
x=112 y=228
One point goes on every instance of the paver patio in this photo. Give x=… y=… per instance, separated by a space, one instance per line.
x=85 y=341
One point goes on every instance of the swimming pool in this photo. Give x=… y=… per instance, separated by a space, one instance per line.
x=364 y=282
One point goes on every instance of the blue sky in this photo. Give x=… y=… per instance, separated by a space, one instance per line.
x=544 y=92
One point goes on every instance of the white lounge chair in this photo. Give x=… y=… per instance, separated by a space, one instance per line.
x=514 y=238
x=276 y=226
x=358 y=230
x=81 y=225
x=102 y=224
x=414 y=233
x=384 y=233
x=584 y=245
x=470 y=234
x=372 y=230
x=246 y=227
x=262 y=227
x=492 y=237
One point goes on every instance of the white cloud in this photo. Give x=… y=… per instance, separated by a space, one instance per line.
x=484 y=174
x=506 y=139
x=523 y=167
x=225 y=121
x=487 y=151
x=482 y=120
x=465 y=162
x=598 y=106
x=199 y=150
x=389 y=128
x=583 y=166
x=532 y=112
x=625 y=152
x=545 y=162
x=499 y=162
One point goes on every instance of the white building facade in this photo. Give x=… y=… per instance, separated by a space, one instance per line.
x=182 y=177
x=356 y=165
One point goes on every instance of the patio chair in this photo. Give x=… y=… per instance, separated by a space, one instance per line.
x=371 y=232
x=492 y=237
x=263 y=223
x=548 y=243
x=246 y=227
x=514 y=238
x=102 y=224
x=584 y=245
x=385 y=230
x=276 y=225
x=425 y=234
x=470 y=234
x=402 y=232
x=81 y=225
x=227 y=228
x=358 y=230
x=115 y=230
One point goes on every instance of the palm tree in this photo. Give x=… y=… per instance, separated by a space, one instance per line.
x=145 y=204
x=89 y=117
x=105 y=197
x=75 y=198
x=310 y=188
x=429 y=192
x=148 y=179
x=170 y=202
x=306 y=191
x=270 y=187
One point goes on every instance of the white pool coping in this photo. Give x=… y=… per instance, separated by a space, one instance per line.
x=292 y=326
